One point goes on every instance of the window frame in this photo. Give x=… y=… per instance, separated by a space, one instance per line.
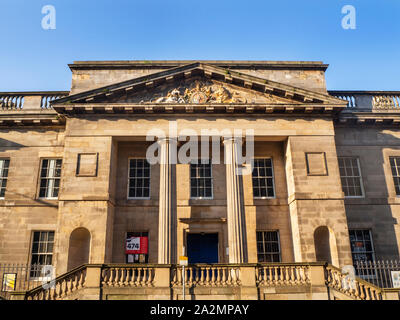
x=371 y=240
x=211 y=177
x=2 y=178
x=40 y=278
x=393 y=177
x=273 y=178
x=270 y=253
x=40 y=177
x=128 y=183
x=361 y=179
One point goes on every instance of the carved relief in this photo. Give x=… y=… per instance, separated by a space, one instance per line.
x=201 y=92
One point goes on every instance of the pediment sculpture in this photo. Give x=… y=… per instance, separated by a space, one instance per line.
x=200 y=92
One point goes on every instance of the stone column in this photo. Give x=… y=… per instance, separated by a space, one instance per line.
x=235 y=204
x=166 y=215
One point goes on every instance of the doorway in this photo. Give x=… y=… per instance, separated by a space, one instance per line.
x=202 y=247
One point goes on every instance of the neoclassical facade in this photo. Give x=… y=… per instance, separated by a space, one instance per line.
x=284 y=170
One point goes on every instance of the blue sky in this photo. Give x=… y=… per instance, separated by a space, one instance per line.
x=366 y=58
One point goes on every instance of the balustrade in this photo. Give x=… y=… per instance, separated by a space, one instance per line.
x=353 y=287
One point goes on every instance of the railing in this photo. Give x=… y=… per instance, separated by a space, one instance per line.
x=133 y=276
x=14 y=101
x=355 y=288
x=18 y=277
x=370 y=100
x=377 y=272
x=95 y=279
x=207 y=275
x=386 y=101
x=287 y=275
x=61 y=286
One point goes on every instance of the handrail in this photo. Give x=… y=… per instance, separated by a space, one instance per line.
x=116 y=275
x=355 y=288
x=60 y=286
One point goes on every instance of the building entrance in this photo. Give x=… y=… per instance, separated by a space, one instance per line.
x=202 y=247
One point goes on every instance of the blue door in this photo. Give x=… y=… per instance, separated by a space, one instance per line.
x=202 y=248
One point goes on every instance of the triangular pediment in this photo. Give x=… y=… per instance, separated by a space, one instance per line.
x=200 y=84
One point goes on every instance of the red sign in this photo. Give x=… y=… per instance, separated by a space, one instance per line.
x=136 y=245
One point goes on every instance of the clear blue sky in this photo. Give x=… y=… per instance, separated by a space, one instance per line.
x=35 y=59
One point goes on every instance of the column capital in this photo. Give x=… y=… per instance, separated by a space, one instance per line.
x=232 y=140
x=166 y=139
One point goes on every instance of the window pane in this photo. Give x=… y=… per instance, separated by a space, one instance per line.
x=139 y=178
x=268 y=247
x=361 y=245
x=395 y=166
x=350 y=176
x=262 y=173
x=201 y=179
x=50 y=178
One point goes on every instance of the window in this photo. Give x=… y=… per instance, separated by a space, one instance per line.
x=395 y=165
x=4 y=164
x=361 y=245
x=268 y=246
x=263 y=178
x=201 y=179
x=42 y=251
x=139 y=179
x=137 y=258
x=350 y=175
x=50 y=175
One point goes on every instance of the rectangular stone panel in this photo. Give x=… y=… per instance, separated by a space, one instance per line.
x=316 y=164
x=87 y=165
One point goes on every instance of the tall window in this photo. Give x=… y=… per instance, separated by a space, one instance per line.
x=42 y=251
x=263 y=178
x=137 y=258
x=361 y=245
x=139 y=179
x=201 y=179
x=50 y=175
x=395 y=165
x=268 y=246
x=350 y=175
x=4 y=164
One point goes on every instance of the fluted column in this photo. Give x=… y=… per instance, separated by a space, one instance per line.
x=166 y=215
x=235 y=204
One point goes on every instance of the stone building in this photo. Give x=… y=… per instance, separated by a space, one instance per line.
x=322 y=184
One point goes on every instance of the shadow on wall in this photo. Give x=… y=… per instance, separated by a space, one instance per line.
x=375 y=211
x=325 y=245
x=79 y=248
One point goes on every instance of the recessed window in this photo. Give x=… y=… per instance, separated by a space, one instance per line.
x=361 y=244
x=42 y=251
x=50 y=176
x=395 y=166
x=201 y=184
x=263 y=178
x=4 y=164
x=139 y=179
x=268 y=246
x=350 y=175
